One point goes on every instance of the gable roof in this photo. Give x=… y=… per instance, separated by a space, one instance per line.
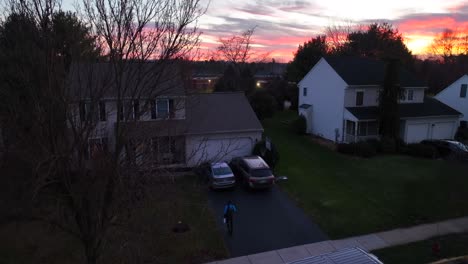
x=150 y=78
x=450 y=85
x=365 y=71
x=430 y=107
x=220 y=112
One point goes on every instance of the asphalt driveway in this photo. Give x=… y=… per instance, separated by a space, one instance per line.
x=266 y=220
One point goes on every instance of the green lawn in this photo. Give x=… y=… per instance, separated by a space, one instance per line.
x=147 y=238
x=421 y=252
x=350 y=196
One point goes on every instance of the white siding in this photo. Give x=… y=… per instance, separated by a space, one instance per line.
x=371 y=95
x=325 y=92
x=451 y=97
x=219 y=147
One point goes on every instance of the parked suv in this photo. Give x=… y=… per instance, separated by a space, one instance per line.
x=253 y=171
x=449 y=149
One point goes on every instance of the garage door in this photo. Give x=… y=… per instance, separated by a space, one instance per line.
x=442 y=130
x=224 y=149
x=416 y=132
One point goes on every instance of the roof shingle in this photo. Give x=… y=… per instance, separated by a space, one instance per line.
x=365 y=71
x=430 y=107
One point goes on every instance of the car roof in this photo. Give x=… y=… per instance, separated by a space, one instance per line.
x=219 y=165
x=256 y=162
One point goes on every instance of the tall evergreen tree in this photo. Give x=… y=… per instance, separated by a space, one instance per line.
x=389 y=119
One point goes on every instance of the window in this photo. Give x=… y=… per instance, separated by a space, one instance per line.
x=84 y=111
x=463 y=91
x=367 y=128
x=409 y=95
x=304 y=91
x=120 y=112
x=102 y=111
x=359 y=98
x=136 y=110
x=153 y=109
x=350 y=127
x=96 y=146
x=167 y=150
x=162 y=108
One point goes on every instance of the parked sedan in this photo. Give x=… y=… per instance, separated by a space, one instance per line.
x=449 y=149
x=219 y=175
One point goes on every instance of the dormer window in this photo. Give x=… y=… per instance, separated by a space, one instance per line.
x=359 y=98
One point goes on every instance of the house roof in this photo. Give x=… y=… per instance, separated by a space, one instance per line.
x=220 y=112
x=142 y=78
x=430 y=107
x=451 y=84
x=365 y=71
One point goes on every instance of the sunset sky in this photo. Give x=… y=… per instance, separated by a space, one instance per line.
x=282 y=25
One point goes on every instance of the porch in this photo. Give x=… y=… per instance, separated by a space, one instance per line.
x=360 y=130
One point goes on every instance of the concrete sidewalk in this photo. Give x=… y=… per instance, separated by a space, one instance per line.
x=369 y=242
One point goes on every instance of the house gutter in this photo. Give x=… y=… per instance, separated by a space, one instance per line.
x=224 y=131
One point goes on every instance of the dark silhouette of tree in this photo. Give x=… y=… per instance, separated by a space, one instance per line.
x=236 y=79
x=306 y=56
x=86 y=197
x=263 y=103
x=379 y=41
x=389 y=119
x=229 y=81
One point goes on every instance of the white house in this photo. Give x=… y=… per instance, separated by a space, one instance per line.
x=174 y=129
x=455 y=95
x=339 y=99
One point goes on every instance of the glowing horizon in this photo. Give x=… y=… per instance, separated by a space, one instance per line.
x=281 y=26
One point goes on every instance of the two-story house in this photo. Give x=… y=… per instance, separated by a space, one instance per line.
x=161 y=123
x=456 y=96
x=339 y=98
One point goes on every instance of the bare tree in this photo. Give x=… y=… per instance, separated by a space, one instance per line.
x=85 y=172
x=450 y=43
x=337 y=34
x=237 y=49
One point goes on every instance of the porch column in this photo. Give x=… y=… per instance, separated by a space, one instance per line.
x=356 y=130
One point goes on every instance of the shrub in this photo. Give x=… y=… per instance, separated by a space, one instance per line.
x=388 y=145
x=361 y=149
x=299 y=125
x=376 y=144
x=263 y=103
x=421 y=150
x=462 y=133
x=271 y=156
x=345 y=148
x=366 y=150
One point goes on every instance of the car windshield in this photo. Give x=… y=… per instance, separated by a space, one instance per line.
x=222 y=171
x=461 y=146
x=261 y=173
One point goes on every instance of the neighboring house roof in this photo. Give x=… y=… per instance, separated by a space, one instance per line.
x=305 y=106
x=365 y=71
x=430 y=107
x=144 y=78
x=450 y=85
x=220 y=112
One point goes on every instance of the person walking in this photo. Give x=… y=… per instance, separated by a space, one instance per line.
x=229 y=210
